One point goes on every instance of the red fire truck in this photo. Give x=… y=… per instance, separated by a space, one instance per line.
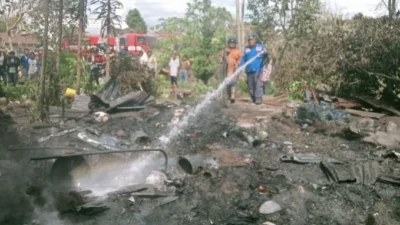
x=133 y=42
x=88 y=43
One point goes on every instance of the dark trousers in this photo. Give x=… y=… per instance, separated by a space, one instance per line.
x=3 y=76
x=255 y=86
x=12 y=78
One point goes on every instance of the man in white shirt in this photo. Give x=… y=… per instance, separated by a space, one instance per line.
x=173 y=71
x=152 y=62
x=144 y=58
x=33 y=68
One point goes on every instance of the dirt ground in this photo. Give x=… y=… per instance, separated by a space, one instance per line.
x=225 y=193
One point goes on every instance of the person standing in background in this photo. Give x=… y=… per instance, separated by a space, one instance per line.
x=231 y=56
x=12 y=64
x=123 y=51
x=25 y=63
x=183 y=73
x=267 y=76
x=3 y=72
x=174 y=65
x=144 y=58
x=256 y=52
x=33 y=66
x=152 y=63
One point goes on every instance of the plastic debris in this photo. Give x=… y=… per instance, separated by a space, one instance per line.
x=101 y=117
x=59 y=134
x=270 y=207
x=268 y=223
x=310 y=112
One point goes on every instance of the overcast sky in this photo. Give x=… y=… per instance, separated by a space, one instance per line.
x=153 y=10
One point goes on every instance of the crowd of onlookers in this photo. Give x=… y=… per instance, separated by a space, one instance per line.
x=12 y=67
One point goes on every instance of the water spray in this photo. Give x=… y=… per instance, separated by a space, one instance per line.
x=177 y=130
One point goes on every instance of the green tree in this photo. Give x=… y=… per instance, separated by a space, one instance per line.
x=205 y=29
x=14 y=17
x=294 y=18
x=135 y=21
x=172 y=24
x=107 y=13
x=78 y=12
x=41 y=108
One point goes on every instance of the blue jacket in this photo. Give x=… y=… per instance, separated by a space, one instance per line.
x=25 y=62
x=258 y=64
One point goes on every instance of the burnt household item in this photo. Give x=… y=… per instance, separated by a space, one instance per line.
x=253 y=141
x=131 y=189
x=131 y=100
x=386 y=178
x=94 y=207
x=157 y=179
x=98 y=142
x=388 y=154
x=66 y=172
x=107 y=94
x=166 y=200
x=110 y=91
x=366 y=173
x=305 y=158
x=140 y=137
x=337 y=174
x=191 y=164
x=59 y=134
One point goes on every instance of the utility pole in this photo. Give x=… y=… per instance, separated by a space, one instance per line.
x=238 y=26
x=242 y=31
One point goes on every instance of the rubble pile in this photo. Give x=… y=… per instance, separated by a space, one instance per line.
x=132 y=75
x=235 y=166
x=375 y=123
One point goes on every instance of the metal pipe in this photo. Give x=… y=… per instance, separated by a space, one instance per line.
x=45 y=148
x=88 y=153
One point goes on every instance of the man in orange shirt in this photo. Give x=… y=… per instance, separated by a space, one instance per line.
x=232 y=57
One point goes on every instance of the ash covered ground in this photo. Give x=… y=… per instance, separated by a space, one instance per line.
x=239 y=178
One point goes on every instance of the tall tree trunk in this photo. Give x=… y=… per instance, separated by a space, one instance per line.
x=41 y=107
x=279 y=58
x=59 y=49
x=108 y=56
x=394 y=8
x=108 y=42
x=79 y=57
x=391 y=8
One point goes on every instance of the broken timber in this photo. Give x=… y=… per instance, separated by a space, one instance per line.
x=365 y=114
x=380 y=106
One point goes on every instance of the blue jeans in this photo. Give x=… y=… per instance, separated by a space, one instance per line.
x=182 y=76
x=255 y=86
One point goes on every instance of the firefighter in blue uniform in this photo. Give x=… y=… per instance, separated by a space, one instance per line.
x=254 y=69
